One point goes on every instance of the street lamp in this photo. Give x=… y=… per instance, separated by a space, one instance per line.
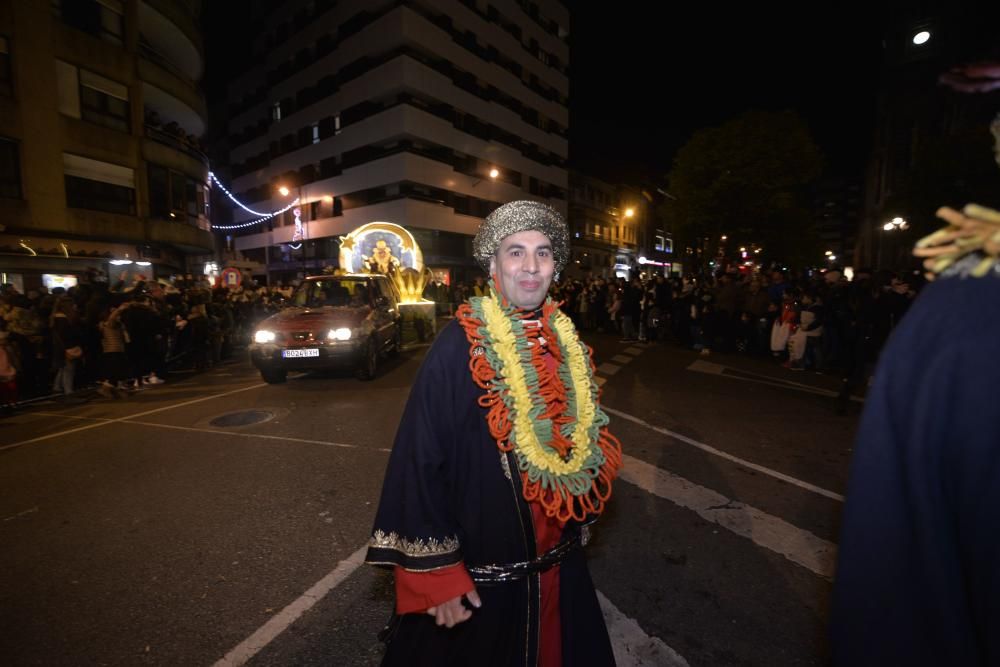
x=629 y=212
x=284 y=191
x=891 y=226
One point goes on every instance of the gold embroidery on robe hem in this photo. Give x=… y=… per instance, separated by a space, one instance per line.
x=418 y=547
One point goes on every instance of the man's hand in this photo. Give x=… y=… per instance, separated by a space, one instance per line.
x=453 y=612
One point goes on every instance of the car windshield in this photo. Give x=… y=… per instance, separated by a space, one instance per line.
x=333 y=292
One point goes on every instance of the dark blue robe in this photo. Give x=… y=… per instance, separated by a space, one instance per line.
x=449 y=498
x=918 y=578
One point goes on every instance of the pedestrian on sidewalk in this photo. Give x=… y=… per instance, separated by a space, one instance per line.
x=113 y=368
x=485 y=507
x=67 y=352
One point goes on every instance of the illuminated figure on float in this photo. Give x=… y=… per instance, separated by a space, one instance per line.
x=382 y=259
x=387 y=248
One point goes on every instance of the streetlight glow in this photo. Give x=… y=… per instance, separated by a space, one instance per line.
x=629 y=212
x=494 y=173
x=921 y=37
x=284 y=191
x=888 y=227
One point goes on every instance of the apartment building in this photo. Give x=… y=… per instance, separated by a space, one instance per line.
x=424 y=113
x=100 y=118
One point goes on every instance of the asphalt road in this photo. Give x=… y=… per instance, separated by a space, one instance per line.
x=219 y=520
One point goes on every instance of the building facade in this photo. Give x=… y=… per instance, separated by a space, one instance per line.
x=427 y=113
x=100 y=119
x=838 y=206
x=928 y=138
x=615 y=231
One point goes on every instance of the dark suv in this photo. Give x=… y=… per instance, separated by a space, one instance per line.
x=334 y=321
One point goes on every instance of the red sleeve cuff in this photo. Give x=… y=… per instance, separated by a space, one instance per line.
x=418 y=591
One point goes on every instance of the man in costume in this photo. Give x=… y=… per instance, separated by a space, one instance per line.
x=501 y=462
x=917 y=581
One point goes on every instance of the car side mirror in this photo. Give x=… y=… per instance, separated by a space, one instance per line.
x=381 y=301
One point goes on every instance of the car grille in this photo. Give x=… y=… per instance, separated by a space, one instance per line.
x=301 y=336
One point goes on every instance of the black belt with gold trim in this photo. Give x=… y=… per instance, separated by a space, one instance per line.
x=485 y=575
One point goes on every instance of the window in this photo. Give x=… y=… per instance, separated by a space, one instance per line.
x=276 y=112
x=100 y=18
x=98 y=186
x=10 y=169
x=174 y=196
x=315 y=133
x=336 y=123
x=159 y=191
x=83 y=94
x=6 y=84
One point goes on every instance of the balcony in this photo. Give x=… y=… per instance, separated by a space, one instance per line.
x=171 y=28
x=170 y=94
x=162 y=147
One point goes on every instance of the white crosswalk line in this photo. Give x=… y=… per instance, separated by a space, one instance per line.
x=633 y=350
x=765 y=530
x=632 y=646
x=608 y=368
x=621 y=358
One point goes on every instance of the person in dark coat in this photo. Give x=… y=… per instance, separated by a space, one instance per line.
x=488 y=563
x=67 y=341
x=917 y=581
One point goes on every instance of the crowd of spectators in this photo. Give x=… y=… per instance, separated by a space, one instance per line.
x=818 y=321
x=121 y=338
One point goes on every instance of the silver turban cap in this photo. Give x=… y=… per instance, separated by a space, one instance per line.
x=521 y=216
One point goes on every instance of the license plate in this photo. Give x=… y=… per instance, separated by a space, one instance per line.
x=310 y=352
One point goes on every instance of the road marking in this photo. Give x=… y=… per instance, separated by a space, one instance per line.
x=633 y=350
x=709 y=368
x=608 y=368
x=632 y=646
x=765 y=530
x=122 y=419
x=242 y=434
x=729 y=457
x=621 y=359
x=599 y=380
x=278 y=623
x=326 y=443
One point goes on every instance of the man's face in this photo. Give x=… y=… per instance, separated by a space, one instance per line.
x=524 y=264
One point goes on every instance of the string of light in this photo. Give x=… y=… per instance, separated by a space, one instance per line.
x=251 y=223
x=233 y=197
x=254 y=222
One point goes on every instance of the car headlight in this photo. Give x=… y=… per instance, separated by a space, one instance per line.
x=343 y=333
x=263 y=336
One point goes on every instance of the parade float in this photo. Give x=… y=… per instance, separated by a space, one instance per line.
x=389 y=249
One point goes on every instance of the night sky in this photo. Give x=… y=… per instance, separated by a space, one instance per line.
x=644 y=79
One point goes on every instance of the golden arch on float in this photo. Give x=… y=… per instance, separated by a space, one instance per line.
x=359 y=246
